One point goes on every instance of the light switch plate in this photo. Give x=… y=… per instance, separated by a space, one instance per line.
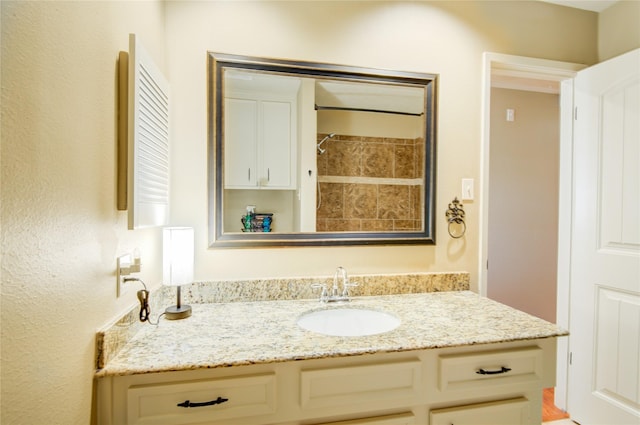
x=467 y=190
x=511 y=115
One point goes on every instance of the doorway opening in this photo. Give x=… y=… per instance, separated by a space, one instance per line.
x=523 y=196
x=513 y=71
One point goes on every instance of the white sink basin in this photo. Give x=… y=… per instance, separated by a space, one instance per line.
x=348 y=322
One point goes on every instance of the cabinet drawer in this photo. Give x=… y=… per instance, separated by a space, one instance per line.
x=196 y=401
x=377 y=383
x=504 y=412
x=399 y=419
x=492 y=368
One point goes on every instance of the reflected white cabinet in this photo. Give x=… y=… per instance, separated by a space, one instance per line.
x=259 y=143
x=488 y=384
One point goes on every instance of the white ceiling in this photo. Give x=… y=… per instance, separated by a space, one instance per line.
x=331 y=93
x=365 y=96
x=592 y=5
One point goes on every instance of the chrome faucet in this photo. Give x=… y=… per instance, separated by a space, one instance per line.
x=335 y=294
x=345 y=281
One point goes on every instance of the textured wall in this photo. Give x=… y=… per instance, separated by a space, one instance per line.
x=61 y=232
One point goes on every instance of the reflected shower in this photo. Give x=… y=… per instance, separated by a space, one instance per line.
x=324 y=140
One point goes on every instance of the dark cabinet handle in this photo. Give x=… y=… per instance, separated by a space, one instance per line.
x=188 y=404
x=493 y=372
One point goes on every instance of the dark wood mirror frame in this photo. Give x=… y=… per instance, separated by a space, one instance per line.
x=217 y=63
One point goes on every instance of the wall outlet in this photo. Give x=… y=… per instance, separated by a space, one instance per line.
x=125 y=265
x=122 y=264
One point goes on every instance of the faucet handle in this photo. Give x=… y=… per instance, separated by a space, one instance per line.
x=323 y=290
x=346 y=286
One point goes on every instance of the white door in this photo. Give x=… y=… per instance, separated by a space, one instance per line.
x=604 y=372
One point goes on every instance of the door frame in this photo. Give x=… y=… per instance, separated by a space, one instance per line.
x=496 y=64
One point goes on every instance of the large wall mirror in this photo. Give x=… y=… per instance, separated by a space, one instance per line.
x=307 y=153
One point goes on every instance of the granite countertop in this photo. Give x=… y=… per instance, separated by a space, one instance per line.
x=242 y=333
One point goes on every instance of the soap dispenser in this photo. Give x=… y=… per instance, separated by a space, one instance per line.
x=248 y=218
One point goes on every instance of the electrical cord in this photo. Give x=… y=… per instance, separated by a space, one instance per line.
x=143 y=297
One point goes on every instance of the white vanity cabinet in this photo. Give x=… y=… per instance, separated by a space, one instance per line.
x=492 y=386
x=260 y=140
x=478 y=384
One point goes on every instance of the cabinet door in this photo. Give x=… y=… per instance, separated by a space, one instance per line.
x=277 y=148
x=504 y=412
x=214 y=401
x=240 y=143
x=384 y=385
x=469 y=372
x=399 y=419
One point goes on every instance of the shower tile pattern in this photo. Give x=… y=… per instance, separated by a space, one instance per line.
x=361 y=187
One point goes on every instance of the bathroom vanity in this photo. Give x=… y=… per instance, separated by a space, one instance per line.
x=456 y=358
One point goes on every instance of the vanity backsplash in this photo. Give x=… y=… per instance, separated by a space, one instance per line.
x=113 y=336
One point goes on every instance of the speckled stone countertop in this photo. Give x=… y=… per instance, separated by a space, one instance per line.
x=111 y=339
x=241 y=333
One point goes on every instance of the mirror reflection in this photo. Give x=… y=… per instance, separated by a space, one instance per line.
x=319 y=154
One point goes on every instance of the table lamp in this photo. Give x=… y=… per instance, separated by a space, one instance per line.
x=177 y=265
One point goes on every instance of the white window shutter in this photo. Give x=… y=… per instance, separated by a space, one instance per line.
x=148 y=147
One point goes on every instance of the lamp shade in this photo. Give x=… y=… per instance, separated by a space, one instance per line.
x=177 y=253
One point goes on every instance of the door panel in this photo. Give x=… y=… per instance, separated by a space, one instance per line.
x=616 y=360
x=604 y=383
x=619 y=200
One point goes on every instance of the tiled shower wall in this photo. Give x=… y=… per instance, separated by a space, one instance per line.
x=370 y=184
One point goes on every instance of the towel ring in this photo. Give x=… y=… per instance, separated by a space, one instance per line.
x=455 y=218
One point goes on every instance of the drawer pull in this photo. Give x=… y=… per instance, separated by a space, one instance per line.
x=187 y=403
x=493 y=372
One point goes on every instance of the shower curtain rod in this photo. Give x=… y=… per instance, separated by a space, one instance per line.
x=379 y=111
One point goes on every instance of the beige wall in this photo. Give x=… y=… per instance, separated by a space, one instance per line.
x=61 y=232
x=618 y=29
x=447 y=38
x=523 y=201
